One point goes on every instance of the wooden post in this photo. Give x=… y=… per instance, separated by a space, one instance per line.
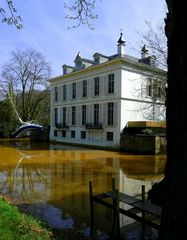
x=115 y=199
x=113 y=184
x=113 y=202
x=116 y=234
x=143 y=192
x=91 y=210
x=143 y=212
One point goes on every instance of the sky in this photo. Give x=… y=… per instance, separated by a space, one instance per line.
x=46 y=29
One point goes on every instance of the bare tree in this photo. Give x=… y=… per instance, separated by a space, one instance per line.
x=24 y=77
x=155 y=40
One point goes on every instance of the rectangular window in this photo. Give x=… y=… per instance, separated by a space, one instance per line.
x=64 y=92
x=96 y=114
x=153 y=89
x=159 y=92
x=110 y=113
x=149 y=89
x=64 y=116
x=83 y=114
x=73 y=115
x=56 y=94
x=84 y=88
x=96 y=86
x=83 y=134
x=73 y=90
x=55 y=133
x=56 y=115
x=109 y=136
x=63 y=133
x=72 y=134
x=111 y=83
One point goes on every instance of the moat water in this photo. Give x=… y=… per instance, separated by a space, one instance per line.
x=51 y=181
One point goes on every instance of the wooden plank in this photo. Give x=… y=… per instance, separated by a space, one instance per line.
x=102 y=196
x=128 y=213
x=135 y=202
x=139 y=218
x=138 y=206
x=102 y=202
x=123 y=197
x=146 y=206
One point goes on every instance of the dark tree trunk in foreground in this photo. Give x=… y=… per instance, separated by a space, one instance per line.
x=174 y=216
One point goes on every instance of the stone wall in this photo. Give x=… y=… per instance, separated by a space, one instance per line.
x=143 y=144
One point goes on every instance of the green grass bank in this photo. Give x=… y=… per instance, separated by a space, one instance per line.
x=16 y=225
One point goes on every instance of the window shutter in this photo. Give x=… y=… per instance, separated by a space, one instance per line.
x=68 y=116
x=60 y=114
x=53 y=95
x=105 y=114
x=100 y=113
x=52 y=117
x=91 y=113
x=115 y=114
x=105 y=85
x=89 y=88
x=79 y=87
x=101 y=86
x=60 y=93
x=78 y=115
x=69 y=91
x=88 y=111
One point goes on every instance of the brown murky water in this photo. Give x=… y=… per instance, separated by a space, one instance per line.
x=51 y=181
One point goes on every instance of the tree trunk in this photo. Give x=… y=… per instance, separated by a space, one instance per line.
x=174 y=215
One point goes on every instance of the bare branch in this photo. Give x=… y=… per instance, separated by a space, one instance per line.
x=10 y=18
x=82 y=11
x=155 y=40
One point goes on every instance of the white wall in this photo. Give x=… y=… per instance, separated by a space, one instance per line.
x=131 y=111
x=131 y=84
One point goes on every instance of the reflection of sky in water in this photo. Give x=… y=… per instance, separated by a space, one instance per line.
x=53 y=180
x=53 y=216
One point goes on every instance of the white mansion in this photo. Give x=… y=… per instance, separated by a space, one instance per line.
x=93 y=101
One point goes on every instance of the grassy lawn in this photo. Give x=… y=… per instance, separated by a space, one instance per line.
x=15 y=225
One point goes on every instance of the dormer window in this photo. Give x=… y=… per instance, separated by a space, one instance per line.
x=96 y=60
x=100 y=58
x=78 y=63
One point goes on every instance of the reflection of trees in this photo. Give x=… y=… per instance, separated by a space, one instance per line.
x=27 y=179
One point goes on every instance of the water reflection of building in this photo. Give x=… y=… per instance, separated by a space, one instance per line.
x=60 y=178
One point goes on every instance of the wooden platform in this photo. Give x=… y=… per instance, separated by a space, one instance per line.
x=141 y=210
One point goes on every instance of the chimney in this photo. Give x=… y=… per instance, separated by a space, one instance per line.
x=144 y=52
x=121 y=46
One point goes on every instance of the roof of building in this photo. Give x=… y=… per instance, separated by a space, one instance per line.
x=145 y=60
